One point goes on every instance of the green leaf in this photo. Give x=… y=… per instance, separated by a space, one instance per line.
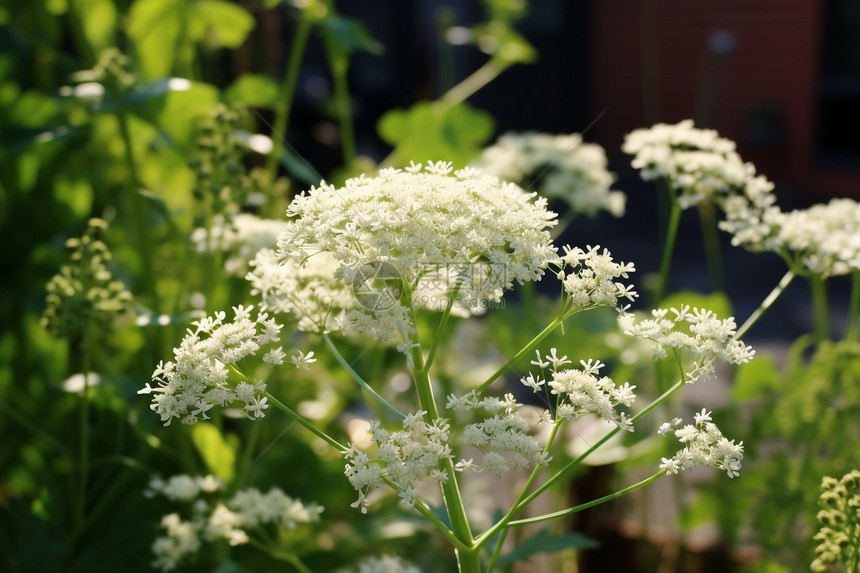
x=219 y=455
x=546 y=542
x=76 y=193
x=154 y=28
x=437 y=132
x=182 y=109
x=253 y=90
x=98 y=21
x=347 y=35
x=756 y=378
x=219 y=24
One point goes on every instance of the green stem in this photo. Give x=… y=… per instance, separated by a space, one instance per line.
x=339 y=357
x=339 y=65
x=669 y=246
x=306 y=423
x=854 y=309
x=247 y=456
x=526 y=500
x=139 y=208
x=478 y=79
x=820 y=311
x=84 y=433
x=497 y=550
x=711 y=243
x=468 y=561
x=443 y=323
x=592 y=503
x=523 y=351
x=288 y=86
x=766 y=303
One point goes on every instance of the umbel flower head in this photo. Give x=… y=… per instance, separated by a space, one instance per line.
x=704 y=445
x=84 y=294
x=235 y=520
x=840 y=523
x=559 y=166
x=407 y=226
x=198 y=378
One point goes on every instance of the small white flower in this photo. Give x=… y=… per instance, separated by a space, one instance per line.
x=303 y=361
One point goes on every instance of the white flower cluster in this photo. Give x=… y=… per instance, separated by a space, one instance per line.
x=241 y=236
x=563 y=167
x=503 y=440
x=580 y=392
x=305 y=288
x=403 y=459
x=386 y=564
x=197 y=379
x=213 y=520
x=408 y=224
x=824 y=238
x=589 y=278
x=710 y=339
x=704 y=445
x=696 y=162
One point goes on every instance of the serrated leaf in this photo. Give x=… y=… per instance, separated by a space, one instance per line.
x=547 y=542
x=254 y=90
x=436 y=131
x=217 y=453
x=220 y=24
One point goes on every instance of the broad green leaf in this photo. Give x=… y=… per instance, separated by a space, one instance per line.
x=219 y=455
x=218 y=23
x=347 y=35
x=253 y=90
x=74 y=192
x=98 y=20
x=437 y=132
x=547 y=542
x=154 y=27
x=756 y=378
x=182 y=109
x=32 y=109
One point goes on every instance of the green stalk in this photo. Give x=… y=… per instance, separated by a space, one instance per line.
x=497 y=550
x=84 y=433
x=854 y=309
x=139 y=207
x=478 y=79
x=247 y=456
x=306 y=423
x=820 y=313
x=339 y=357
x=523 y=351
x=527 y=499
x=766 y=303
x=288 y=86
x=669 y=246
x=443 y=323
x=711 y=243
x=592 y=503
x=338 y=63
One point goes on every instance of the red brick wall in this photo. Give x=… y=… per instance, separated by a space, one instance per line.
x=651 y=62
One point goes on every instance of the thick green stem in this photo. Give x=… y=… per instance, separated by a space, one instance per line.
x=820 y=312
x=669 y=246
x=592 y=503
x=288 y=86
x=306 y=423
x=711 y=243
x=766 y=303
x=346 y=365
